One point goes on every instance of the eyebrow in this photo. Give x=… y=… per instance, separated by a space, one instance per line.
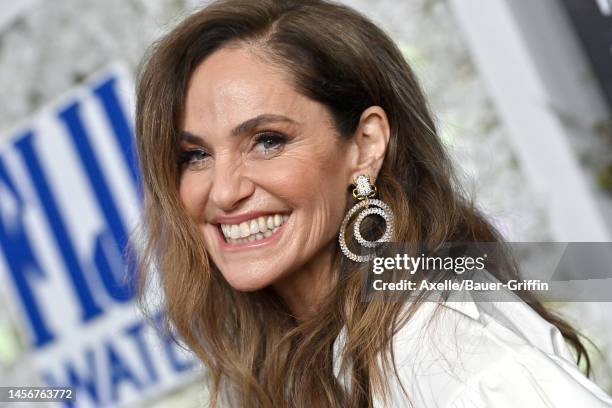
x=245 y=127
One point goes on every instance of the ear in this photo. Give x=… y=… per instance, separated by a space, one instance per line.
x=369 y=143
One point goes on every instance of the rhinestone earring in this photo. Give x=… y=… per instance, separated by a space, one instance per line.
x=364 y=192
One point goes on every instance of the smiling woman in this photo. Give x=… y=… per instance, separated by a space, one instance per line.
x=255 y=123
x=260 y=158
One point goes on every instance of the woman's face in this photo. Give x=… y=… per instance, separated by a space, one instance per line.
x=265 y=173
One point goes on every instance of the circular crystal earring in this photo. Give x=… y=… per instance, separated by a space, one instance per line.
x=364 y=192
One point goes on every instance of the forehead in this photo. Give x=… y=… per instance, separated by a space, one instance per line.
x=234 y=84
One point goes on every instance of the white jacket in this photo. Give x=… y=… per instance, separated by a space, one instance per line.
x=494 y=354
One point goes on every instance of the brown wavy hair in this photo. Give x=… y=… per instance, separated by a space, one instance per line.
x=255 y=351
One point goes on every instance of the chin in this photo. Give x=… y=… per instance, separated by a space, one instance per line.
x=245 y=280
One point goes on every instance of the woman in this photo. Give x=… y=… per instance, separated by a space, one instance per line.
x=254 y=121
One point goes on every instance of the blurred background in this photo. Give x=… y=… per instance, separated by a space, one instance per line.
x=521 y=91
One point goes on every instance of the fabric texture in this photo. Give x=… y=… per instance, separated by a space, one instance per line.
x=483 y=354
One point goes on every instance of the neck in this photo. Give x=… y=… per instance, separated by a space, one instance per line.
x=305 y=289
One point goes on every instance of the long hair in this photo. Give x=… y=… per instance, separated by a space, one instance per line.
x=256 y=353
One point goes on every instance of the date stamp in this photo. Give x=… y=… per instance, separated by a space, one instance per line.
x=37 y=394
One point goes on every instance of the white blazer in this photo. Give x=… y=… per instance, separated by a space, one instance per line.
x=494 y=354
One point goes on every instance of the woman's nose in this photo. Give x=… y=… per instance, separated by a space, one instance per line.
x=230 y=185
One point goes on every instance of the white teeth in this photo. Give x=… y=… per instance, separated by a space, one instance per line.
x=253 y=230
x=253 y=227
x=235 y=231
x=250 y=238
x=244 y=229
x=261 y=223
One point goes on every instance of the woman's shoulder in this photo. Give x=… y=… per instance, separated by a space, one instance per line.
x=464 y=353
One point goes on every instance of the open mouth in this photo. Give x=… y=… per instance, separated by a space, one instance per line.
x=252 y=230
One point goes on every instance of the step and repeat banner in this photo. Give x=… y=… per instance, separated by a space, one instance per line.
x=69 y=198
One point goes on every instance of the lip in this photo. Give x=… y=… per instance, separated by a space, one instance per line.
x=229 y=247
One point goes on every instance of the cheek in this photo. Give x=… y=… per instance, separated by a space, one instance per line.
x=193 y=190
x=327 y=179
x=304 y=179
x=313 y=184
x=330 y=188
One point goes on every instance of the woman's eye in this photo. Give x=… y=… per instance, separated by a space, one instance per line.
x=194 y=157
x=269 y=142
